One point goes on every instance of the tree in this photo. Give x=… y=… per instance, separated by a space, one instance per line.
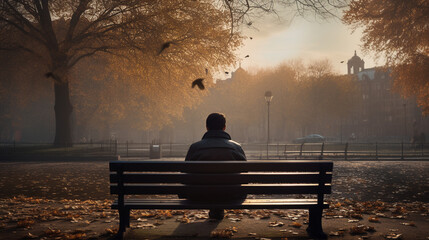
x=322 y=98
x=62 y=33
x=397 y=30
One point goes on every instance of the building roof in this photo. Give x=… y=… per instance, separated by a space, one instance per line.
x=355 y=59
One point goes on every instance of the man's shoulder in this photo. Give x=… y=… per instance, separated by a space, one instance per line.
x=198 y=143
x=234 y=143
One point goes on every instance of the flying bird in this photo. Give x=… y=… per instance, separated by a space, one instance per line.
x=199 y=83
x=341 y=61
x=49 y=74
x=246 y=56
x=164 y=46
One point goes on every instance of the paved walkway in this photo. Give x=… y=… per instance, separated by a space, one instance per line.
x=71 y=200
x=33 y=218
x=278 y=227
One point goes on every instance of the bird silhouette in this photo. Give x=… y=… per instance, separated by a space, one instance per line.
x=199 y=83
x=164 y=46
x=49 y=74
x=341 y=61
x=246 y=56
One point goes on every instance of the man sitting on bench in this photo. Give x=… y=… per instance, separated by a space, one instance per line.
x=216 y=145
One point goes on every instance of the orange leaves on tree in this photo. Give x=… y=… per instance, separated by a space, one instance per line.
x=398 y=31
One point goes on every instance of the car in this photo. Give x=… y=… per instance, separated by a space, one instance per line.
x=312 y=138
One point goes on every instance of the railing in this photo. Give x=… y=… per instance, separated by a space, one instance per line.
x=131 y=149
x=340 y=151
x=108 y=146
x=357 y=151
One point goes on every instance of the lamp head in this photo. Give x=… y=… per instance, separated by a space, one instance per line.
x=268 y=96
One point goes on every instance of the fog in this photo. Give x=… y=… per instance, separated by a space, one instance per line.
x=308 y=98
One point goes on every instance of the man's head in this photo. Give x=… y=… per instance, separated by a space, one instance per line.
x=216 y=121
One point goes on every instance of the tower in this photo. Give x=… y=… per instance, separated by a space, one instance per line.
x=356 y=63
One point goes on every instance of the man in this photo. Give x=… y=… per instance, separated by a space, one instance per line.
x=216 y=145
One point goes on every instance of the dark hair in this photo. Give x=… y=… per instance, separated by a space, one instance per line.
x=215 y=121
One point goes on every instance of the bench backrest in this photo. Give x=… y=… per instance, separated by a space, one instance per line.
x=212 y=177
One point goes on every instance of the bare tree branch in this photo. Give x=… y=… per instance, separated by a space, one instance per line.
x=75 y=19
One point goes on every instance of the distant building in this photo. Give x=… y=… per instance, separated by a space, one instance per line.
x=356 y=64
x=381 y=114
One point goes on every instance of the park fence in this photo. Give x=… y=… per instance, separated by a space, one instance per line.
x=281 y=151
x=340 y=151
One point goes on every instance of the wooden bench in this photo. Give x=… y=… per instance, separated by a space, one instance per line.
x=274 y=179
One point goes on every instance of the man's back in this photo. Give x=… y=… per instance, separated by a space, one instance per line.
x=216 y=145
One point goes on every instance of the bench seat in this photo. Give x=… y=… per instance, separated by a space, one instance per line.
x=247 y=204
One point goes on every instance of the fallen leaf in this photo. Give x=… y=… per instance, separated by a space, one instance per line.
x=336 y=233
x=352 y=220
x=295 y=225
x=147 y=225
x=235 y=219
x=201 y=216
x=221 y=233
x=393 y=236
x=75 y=236
x=276 y=224
x=112 y=230
x=357 y=230
x=30 y=236
x=27 y=223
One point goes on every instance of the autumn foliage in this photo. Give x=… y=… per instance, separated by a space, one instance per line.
x=121 y=40
x=397 y=30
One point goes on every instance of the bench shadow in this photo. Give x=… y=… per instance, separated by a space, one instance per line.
x=196 y=229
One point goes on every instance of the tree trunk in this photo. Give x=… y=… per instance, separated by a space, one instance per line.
x=63 y=110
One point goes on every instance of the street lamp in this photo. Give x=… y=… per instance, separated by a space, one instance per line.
x=405 y=122
x=268 y=97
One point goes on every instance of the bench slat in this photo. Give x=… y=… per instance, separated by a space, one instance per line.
x=210 y=178
x=222 y=189
x=247 y=204
x=255 y=200
x=223 y=166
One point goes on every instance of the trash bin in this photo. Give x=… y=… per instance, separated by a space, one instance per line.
x=155 y=151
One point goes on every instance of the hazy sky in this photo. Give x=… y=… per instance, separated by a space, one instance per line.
x=276 y=41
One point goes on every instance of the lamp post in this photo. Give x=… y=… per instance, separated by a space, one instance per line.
x=405 y=122
x=268 y=97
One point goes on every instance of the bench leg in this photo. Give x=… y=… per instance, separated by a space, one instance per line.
x=315 y=229
x=124 y=221
x=127 y=218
